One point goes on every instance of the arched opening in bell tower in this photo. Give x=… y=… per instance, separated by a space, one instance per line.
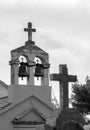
x=38 y=71
x=22 y=70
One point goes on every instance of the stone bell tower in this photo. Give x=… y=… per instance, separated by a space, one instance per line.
x=29 y=51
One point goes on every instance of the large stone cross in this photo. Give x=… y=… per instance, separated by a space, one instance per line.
x=63 y=79
x=29 y=30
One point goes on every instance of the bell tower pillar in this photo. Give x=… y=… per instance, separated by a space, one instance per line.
x=14 y=71
x=30 y=79
x=45 y=78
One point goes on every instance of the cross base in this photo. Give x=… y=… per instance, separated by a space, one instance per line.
x=29 y=42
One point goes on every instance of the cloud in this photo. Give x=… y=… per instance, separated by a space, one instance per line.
x=62 y=29
x=7 y=4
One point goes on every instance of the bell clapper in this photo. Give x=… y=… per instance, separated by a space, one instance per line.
x=37 y=78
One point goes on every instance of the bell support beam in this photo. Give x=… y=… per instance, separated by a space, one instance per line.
x=63 y=79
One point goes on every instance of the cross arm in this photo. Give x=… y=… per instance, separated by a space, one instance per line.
x=33 y=30
x=72 y=78
x=28 y=29
x=56 y=77
x=25 y=29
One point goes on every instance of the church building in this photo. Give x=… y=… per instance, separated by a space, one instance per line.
x=28 y=106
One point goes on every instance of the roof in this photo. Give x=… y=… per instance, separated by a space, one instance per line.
x=29 y=48
x=4 y=102
x=10 y=106
x=3 y=84
x=34 y=97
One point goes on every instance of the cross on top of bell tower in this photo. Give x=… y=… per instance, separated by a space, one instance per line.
x=30 y=30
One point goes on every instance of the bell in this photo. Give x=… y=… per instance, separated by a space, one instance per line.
x=23 y=70
x=39 y=70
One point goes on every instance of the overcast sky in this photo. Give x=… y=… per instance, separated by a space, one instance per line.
x=63 y=29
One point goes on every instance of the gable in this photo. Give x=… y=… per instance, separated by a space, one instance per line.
x=25 y=113
x=37 y=101
x=30 y=48
x=32 y=116
x=27 y=108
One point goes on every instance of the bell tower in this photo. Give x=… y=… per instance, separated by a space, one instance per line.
x=29 y=69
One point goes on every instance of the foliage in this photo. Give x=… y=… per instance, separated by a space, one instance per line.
x=80 y=97
x=71 y=125
x=69 y=114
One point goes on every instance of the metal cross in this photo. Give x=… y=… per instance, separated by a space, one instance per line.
x=29 y=30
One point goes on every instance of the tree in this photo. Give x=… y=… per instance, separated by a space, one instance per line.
x=80 y=97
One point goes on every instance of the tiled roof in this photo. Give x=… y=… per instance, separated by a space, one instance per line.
x=3 y=102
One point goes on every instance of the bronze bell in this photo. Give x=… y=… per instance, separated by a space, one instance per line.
x=23 y=70
x=39 y=70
